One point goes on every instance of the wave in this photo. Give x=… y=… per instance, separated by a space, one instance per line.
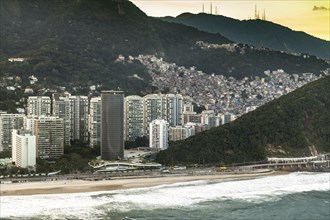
x=190 y=194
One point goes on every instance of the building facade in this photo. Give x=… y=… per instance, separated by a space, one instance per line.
x=158 y=135
x=178 y=133
x=24 y=149
x=38 y=106
x=9 y=122
x=112 y=125
x=168 y=107
x=134 y=117
x=174 y=109
x=155 y=107
x=49 y=132
x=74 y=112
x=209 y=118
x=94 y=122
x=226 y=117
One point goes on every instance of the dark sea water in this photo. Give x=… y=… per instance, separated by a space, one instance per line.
x=293 y=196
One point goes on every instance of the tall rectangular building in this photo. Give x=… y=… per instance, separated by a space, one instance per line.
x=94 y=122
x=168 y=107
x=81 y=120
x=133 y=117
x=155 y=107
x=49 y=132
x=24 y=148
x=112 y=125
x=38 y=105
x=74 y=111
x=158 y=134
x=174 y=109
x=9 y=122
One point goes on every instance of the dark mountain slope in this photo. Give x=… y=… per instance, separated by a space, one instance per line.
x=288 y=126
x=71 y=43
x=76 y=44
x=258 y=33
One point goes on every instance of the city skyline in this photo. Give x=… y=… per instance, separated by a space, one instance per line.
x=309 y=16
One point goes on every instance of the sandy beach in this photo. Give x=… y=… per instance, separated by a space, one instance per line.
x=75 y=186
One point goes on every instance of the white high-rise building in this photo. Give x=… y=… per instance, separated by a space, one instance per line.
x=29 y=123
x=38 y=106
x=94 y=122
x=158 y=135
x=9 y=122
x=74 y=111
x=24 y=149
x=133 y=117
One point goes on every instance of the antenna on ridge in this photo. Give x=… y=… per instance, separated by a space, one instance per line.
x=256 y=12
x=211 y=8
x=203 y=8
x=264 y=15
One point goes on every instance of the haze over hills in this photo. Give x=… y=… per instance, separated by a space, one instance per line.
x=293 y=125
x=76 y=44
x=259 y=33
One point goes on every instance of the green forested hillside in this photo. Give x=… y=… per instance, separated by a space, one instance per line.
x=289 y=126
x=75 y=43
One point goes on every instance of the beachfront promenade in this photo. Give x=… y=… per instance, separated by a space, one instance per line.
x=314 y=163
x=111 y=170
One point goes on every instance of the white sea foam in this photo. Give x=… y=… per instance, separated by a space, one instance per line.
x=91 y=205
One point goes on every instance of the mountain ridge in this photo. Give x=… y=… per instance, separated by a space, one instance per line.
x=259 y=33
x=75 y=44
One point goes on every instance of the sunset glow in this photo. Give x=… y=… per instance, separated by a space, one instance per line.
x=309 y=16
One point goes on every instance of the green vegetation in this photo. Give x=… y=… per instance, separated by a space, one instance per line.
x=75 y=159
x=259 y=33
x=5 y=171
x=289 y=126
x=76 y=43
x=5 y=154
x=139 y=142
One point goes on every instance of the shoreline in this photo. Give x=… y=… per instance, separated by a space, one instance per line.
x=80 y=186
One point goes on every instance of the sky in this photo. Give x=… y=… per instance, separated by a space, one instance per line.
x=310 y=16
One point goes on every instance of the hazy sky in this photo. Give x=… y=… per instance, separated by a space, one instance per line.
x=311 y=16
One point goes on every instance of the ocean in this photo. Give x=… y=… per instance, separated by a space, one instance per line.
x=300 y=195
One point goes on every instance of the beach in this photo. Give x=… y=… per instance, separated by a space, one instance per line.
x=220 y=196
x=78 y=186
